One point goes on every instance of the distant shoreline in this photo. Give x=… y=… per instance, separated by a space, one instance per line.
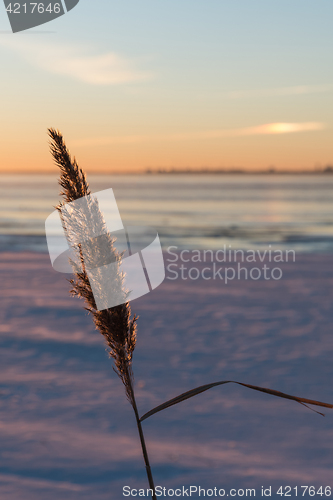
x=161 y=171
x=327 y=170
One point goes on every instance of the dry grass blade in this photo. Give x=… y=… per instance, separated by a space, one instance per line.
x=203 y=388
x=116 y=324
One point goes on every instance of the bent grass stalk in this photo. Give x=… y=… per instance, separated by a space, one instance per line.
x=116 y=324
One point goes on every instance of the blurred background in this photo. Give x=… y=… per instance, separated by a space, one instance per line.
x=212 y=123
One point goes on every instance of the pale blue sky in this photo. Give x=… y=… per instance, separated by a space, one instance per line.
x=186 y=83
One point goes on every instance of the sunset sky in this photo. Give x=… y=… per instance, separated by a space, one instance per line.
x=173 y=84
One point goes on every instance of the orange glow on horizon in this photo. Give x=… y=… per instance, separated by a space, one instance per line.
x=286 y=146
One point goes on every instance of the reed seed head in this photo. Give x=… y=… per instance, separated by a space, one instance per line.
x=116 y=324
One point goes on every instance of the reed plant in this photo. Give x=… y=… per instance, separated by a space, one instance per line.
x=117 y=324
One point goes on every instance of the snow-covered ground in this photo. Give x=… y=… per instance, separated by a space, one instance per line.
x=68 y=432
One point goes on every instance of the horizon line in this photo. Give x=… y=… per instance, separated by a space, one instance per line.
x=187 y=171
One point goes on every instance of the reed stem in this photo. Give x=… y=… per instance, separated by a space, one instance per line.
x=143 y=442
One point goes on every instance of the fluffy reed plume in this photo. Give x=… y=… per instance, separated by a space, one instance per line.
x=116 y=324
